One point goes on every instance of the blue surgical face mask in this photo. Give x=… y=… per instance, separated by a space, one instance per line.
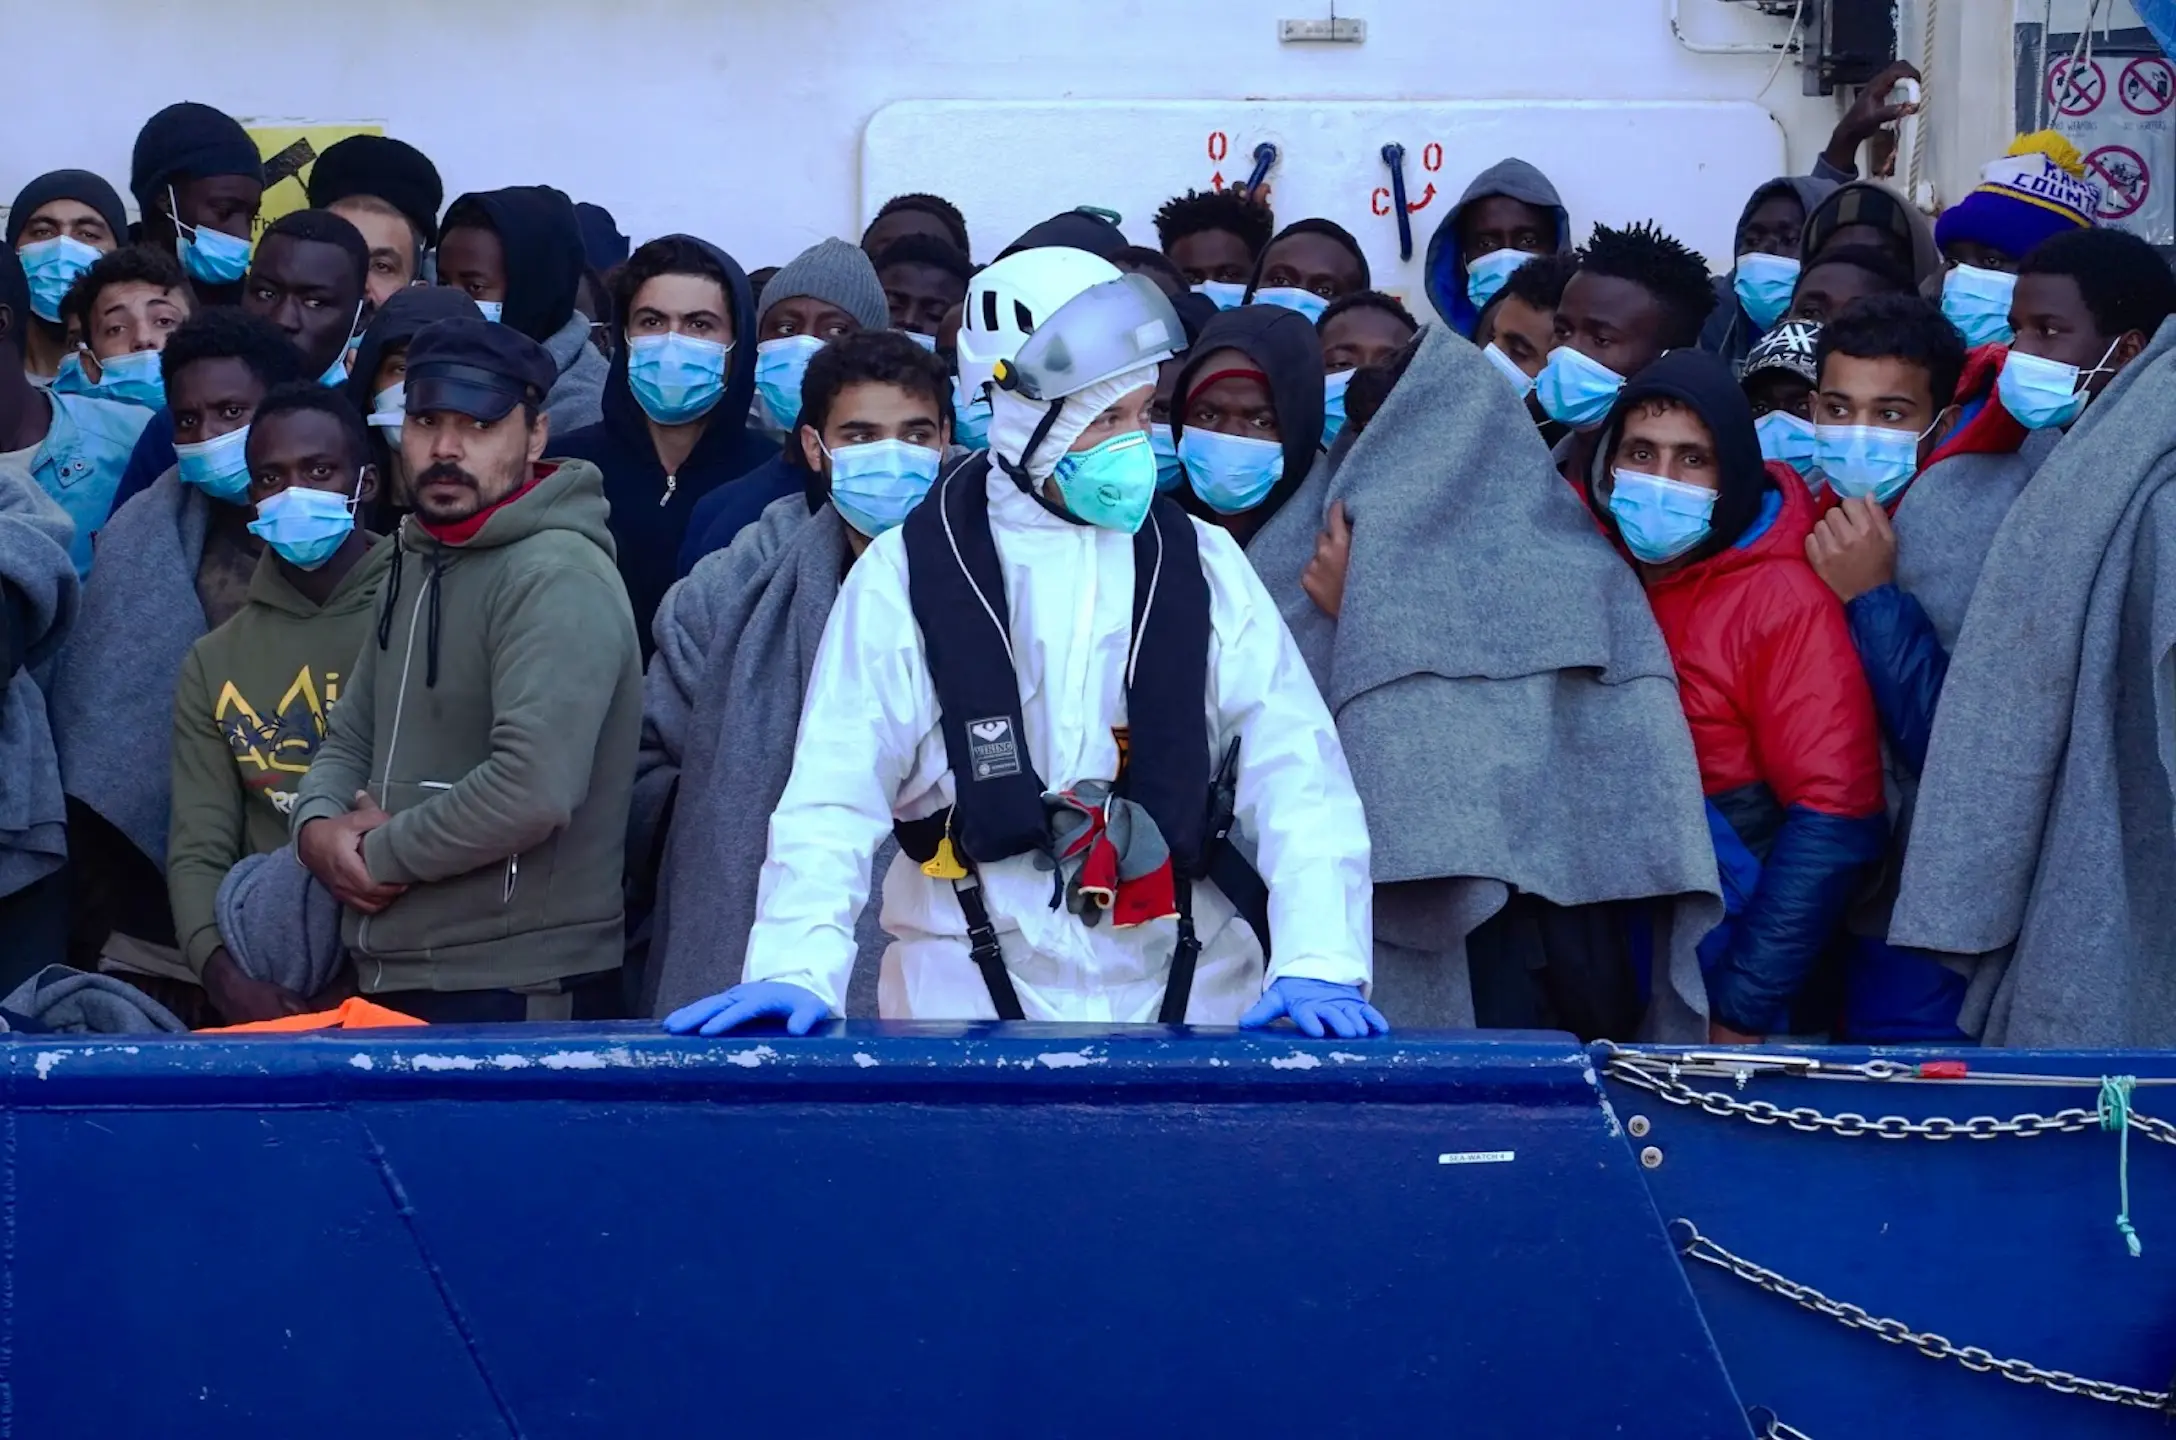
x=1333 y=406
x=1169 y=472
x=1764 y=284
x=1486 y=274
x=1977 y=302
x=133 y=378
x=875 y=486
x=1521 y=382
x=1112 y=485
x=1576 y=390
x=927 y=342
x=780 y=364
x=217 y=466
x=389 y=408
x=211 y=256
x=492 y=310
x=2043 y=394
x=1786 y=437
x=304 y=526
x=970 y=417
x=1227 y=294
x=1291 y=297
x=676 y=378
x=1867 y=460
x=1231 y=473
x=1659 y=518
x=52 y=266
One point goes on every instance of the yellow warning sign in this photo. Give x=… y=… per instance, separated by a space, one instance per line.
x=289 y=150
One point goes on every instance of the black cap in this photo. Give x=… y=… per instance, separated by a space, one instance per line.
x=475 y=368
x=391 y=170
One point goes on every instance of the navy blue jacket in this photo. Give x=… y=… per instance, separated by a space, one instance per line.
x=651 y=512
x=152 y=457
x=730 y=509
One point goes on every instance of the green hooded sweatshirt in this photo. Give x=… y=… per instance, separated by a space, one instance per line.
x=249 y=713
x=495 y=714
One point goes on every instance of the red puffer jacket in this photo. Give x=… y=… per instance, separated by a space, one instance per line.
x=1766 y=669
x=1789 y=748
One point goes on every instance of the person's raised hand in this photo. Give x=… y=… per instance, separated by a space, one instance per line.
x=332 y=850
x=1324 y=577
x=748 y=1002
x=1318 y=1008
x=1853 y=548
x=1869 y=112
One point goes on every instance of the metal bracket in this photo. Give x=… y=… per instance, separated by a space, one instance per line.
x=1338 y=30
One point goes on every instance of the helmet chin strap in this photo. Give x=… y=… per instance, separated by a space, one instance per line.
x=1019 y=470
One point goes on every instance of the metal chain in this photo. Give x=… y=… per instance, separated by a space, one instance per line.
x=1695 y=1246
x=1660 y=1077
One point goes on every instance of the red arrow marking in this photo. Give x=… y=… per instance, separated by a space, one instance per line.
x=1426 y=196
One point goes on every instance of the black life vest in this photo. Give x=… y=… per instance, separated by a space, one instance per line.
x=956 y=587
x=957 y=590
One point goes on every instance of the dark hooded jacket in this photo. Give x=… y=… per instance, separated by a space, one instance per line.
x=650 y=509
x=542 y=241
x=1782 y=720
x=1730 y=332
x=1285 y=346
x=1446 y=267
x=396 y=323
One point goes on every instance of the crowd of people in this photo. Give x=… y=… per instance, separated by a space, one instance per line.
x=461 y=607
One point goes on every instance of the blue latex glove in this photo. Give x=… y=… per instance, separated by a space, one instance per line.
x=1317 y=1007
x=802 y=1009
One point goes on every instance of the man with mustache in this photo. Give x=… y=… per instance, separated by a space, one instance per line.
x=469 y=806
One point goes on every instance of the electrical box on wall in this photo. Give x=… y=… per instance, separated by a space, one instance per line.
x=1855 y=40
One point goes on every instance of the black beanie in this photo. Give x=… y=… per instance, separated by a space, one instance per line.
x=392 y=170
x=188 y=141
x=68 y=185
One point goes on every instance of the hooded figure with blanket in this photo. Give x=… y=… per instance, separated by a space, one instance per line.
x=675 y=421
x=1510 y=713
x=2044 y=822
x=518 y=254
x=1077 y=710
x=1247 y=415
x=1508 y=215
x=736 y=650
x=38 y=596
x=1789 y=749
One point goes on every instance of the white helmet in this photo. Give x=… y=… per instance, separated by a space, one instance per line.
x=1008 y=299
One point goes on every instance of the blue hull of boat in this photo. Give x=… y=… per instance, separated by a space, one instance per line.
x=1030 y=1230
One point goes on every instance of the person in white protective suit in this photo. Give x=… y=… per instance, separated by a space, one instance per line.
x=1115 y=786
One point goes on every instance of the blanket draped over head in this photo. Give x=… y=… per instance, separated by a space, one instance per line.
x=1504 y=696
x=2044 y=811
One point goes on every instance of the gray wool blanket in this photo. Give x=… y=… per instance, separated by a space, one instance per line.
x=1505 y=698
x=1947 y=523
x=577 y=396
x=279 y=924
x=35 y=534
x=113 y=697
x=2045 y=819
x=76 y=1002
x=736 y=644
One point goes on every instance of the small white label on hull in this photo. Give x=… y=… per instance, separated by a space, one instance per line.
x=1478 y=1157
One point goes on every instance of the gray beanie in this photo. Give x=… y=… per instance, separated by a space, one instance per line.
x=837 y=273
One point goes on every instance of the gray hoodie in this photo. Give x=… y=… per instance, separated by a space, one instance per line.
x=1730 y=332
x=34 y=568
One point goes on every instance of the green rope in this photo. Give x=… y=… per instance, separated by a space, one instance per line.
x=2115 y=1114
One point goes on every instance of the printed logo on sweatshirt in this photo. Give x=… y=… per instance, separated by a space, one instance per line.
x=284 y=742
x=992 y=748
